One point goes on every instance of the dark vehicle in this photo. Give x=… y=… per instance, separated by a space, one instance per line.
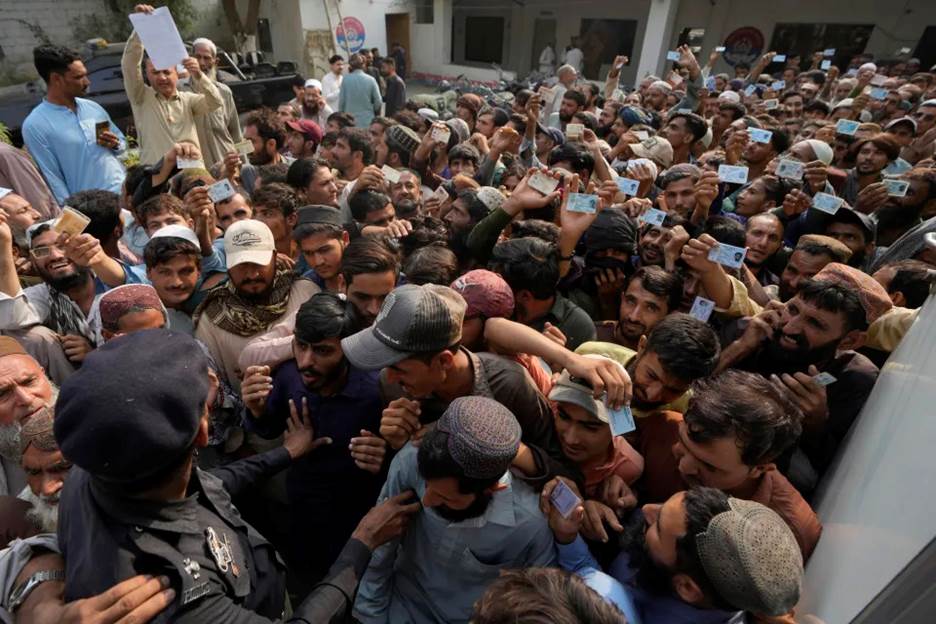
x=253 y=83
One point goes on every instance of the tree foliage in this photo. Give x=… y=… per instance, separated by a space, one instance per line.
x=111 y=22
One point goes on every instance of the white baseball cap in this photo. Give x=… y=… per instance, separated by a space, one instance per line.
x=248 y=241
x=175 y=230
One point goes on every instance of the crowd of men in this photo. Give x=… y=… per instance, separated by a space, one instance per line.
x=402 y=371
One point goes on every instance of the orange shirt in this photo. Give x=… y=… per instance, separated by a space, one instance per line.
x=661 y=479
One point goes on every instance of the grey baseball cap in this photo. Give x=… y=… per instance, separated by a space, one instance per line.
x=413 y=320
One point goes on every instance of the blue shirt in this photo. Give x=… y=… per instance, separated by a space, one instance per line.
x=438 y=569
x=360 y=96
x=576 y=557
x=64 y=145
x=339 y=417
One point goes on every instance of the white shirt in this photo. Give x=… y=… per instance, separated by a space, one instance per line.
x=331 y=89
x=547 y=59
x=574 y=57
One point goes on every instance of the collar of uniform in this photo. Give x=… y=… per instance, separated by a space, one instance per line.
x=559 y=309
x=481 y=385
x=500 y=510
x=175 y=516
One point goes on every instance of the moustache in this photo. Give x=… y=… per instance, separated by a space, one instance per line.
x=799 y=339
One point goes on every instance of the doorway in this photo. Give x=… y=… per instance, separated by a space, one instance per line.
x=398 y=32
x=544 y=31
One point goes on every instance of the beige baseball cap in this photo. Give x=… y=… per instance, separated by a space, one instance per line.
x=248 y=241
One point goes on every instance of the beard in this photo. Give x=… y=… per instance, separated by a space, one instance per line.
x=475 y=509
x=310 y=110
x=633 y=540
x=66 y=282
x=259 y=158
x=44 y=511
x=776 y=359
x=10 y=441
x=564 y=118
x=260 y=297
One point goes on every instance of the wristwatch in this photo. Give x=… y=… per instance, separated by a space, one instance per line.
x=20 y=593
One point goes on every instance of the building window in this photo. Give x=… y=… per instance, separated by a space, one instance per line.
x=805 y=39
x=484 y=39
x=425 y=11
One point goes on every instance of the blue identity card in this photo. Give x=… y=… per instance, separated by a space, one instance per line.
x=702 y=309
x=878 y=93
x=728 y=255
x=628 y=186
x=653 y=216
x=564 y=499
x=778 y=85
x=826 y=64
x=779 y=58
x=827 y=203
x=759 y=135
x=621 y=420
x=732 y=174
x=580 y=202
x=672 y=55
x=847 y=127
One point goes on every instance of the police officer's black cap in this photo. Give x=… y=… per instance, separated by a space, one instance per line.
x=319 y=214
x=131 y=412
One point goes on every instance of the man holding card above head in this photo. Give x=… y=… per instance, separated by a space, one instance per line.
x=163 y=115
x=818 y=330
x=756 y=155
x=72 y=140
x=590 y=432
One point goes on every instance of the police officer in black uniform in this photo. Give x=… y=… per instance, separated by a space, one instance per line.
x=131 y=420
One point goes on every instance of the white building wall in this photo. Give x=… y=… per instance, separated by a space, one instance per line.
x=432 y=45
x=896 y=25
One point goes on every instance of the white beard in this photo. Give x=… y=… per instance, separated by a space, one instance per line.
x=10 y=441
x=44 y=511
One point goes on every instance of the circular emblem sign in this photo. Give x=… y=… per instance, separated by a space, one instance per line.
x=744 y=45
x=350 y=33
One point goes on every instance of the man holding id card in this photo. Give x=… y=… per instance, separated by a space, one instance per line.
x=591 y=432
x=72 y=140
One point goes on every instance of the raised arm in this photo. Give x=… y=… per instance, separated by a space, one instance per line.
x=132 y=72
